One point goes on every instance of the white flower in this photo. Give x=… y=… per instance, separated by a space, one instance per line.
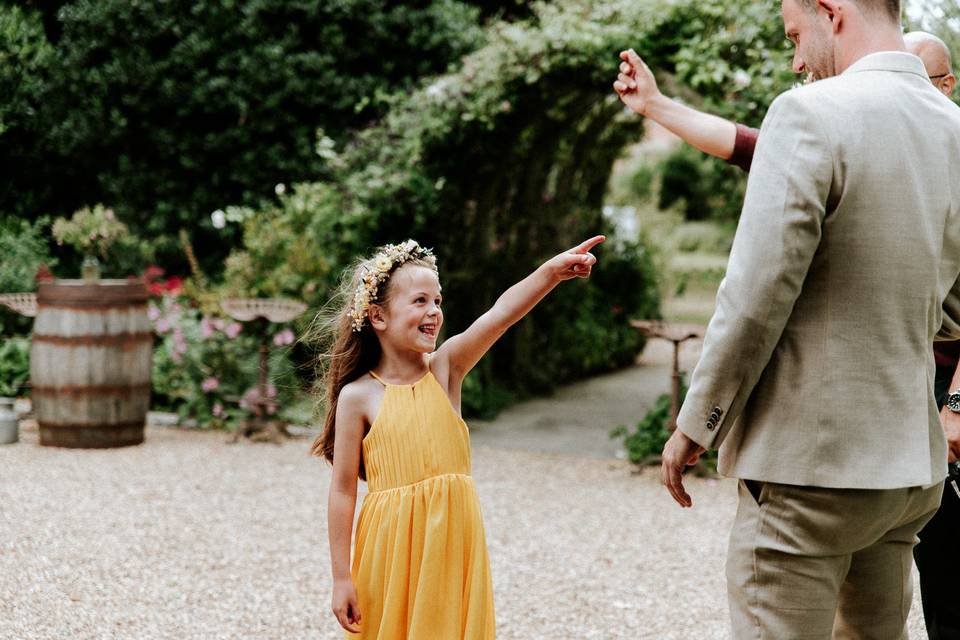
x=280 y=189
x=741 y=79
x=219 y=219
x=384 y=263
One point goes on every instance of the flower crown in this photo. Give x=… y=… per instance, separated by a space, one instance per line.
x=378 y=270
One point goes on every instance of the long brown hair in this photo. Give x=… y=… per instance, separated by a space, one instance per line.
x=346 y=354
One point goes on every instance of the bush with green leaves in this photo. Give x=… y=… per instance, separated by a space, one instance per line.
x=24 y=248
x=25 y=59
x=205 y=368
x=14 y=366
x=645 y=443
x=191 y=106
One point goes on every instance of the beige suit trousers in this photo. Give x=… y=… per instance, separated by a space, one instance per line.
x=811 y=562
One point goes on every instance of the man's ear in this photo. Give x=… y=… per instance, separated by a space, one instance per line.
x=834 y=10
x=377 y=316
x=947 y=84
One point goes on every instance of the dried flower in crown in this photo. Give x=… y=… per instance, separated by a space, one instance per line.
x=378 y=270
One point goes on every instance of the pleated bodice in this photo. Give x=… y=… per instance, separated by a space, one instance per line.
x=416 y=435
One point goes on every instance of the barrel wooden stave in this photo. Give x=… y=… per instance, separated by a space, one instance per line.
x=91 y=363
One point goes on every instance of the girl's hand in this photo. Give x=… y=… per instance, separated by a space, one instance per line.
x=345 y=605
x=574 y=263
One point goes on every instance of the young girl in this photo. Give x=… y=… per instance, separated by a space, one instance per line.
x=420 y=569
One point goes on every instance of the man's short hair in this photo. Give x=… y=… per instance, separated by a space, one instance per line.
x=889 y=8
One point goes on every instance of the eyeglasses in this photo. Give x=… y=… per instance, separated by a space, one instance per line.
x=937 y=77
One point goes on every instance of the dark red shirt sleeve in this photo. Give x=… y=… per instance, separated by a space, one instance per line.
x=743 y=146
x=947 y=353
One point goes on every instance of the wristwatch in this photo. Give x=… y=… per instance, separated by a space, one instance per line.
x=952 y=401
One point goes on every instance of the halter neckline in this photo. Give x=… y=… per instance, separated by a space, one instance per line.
x=390 y=384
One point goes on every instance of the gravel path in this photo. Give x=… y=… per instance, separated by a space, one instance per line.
x=188 y=537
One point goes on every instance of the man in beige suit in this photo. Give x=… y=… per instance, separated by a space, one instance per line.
x=816 y=375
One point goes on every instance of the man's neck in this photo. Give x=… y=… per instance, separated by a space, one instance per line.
x=871 y=39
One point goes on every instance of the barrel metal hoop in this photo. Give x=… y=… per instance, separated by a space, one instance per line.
x=91 y=390
x=116 y=426
x=97 y=340
x=102 y=293
x=90 y=307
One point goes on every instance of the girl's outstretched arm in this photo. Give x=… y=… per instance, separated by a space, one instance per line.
x=342 y=502
x=464 y=350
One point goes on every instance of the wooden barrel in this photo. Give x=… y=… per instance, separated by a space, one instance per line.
x=90 y=363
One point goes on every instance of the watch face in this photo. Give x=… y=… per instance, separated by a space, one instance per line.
x=953 y=402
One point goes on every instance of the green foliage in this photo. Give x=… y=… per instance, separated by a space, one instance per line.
x=25 y=55
x=24 y=248
x=90 y=231
x=733 y=55
x=484 y=399
x=704 y=186
x=190 y=106
x=295 y=248
x=645 y=444
x=702 y=237
x=641 y=182
x=682 y=180
x=14 y=365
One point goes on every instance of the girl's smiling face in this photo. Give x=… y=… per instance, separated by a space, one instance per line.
x=411 y=318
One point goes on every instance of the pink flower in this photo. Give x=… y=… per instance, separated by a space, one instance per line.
x=207 y=327
x=251 y=400
x=153 y=313
x=285 y=337
x=217 y=409
x=210 y=384
x=233 y=330
x=162 y=325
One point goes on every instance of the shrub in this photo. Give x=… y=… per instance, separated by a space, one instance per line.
x=14 y=365
x=205 y=367
x=189 y=106
x=645 y=444
x=23 y=247
x=702 y=237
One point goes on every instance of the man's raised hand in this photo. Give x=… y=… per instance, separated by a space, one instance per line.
x=635 y=83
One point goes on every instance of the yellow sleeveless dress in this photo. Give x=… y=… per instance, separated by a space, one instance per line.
x=420 y=560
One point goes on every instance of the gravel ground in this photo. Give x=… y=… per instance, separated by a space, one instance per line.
x=189 y=537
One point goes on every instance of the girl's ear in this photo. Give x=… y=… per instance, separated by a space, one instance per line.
x=377 y=316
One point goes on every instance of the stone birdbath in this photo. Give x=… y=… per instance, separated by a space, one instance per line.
x=677 y=333
x=23 y=303
x=269 y=310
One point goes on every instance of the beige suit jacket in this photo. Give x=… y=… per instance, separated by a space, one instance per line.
x=816 y=367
